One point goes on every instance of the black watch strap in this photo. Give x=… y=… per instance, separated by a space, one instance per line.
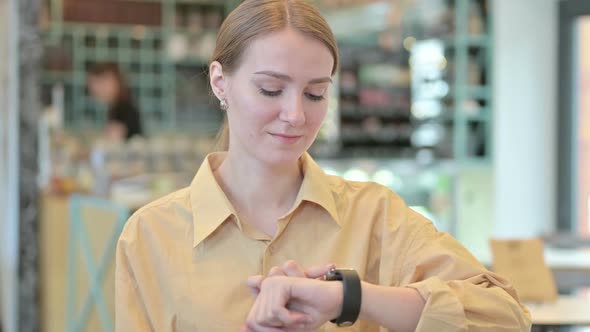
x=352 y=299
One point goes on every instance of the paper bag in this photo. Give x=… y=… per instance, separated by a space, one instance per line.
x=522 y=262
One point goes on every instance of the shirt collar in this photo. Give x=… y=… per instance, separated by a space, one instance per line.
x=316 y=187
x=211 y=207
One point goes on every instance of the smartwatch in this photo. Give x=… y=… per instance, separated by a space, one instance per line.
x=352 y=297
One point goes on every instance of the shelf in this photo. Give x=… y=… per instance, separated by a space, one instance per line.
x=482 y=116
x=56 y=76
x=384 y=113
x=192 y=33
x=467 y=41
x=383 y=136
x=71 y=28
x=480 y=92
x=479 y=115
x=370 y=19
x=183 y=2
x=390 y=88
x=190 y=63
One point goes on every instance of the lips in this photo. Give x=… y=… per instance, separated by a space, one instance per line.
x=286 y=136
x=286 y=139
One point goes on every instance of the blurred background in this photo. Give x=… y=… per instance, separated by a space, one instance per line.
x=477 y=112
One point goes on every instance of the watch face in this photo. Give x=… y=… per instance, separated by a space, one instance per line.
x=331 y=275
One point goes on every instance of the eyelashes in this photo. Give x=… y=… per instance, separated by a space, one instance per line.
x=313 y=97
x=269 y=93
x=277 y=93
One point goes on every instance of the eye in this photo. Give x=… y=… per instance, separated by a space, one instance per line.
x=313 y=97
x=270 y=93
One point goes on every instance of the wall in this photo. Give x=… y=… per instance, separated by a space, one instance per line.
x=9 y=166
x=525 y=108
x=20 y=51
x=28 y=113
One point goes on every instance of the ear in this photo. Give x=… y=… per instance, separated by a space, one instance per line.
x=217 y=80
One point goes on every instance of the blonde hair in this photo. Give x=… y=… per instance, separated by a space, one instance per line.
x=255 y=18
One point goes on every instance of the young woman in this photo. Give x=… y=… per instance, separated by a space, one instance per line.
x=107 y=84
x=230 y=251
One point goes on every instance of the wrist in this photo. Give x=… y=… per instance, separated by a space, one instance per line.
x=351 y=295
x=337 y=292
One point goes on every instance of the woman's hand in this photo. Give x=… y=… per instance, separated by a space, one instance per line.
x=293 y=304
x=289 y=269
x=296 y=313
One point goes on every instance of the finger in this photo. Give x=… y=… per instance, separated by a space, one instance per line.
x=293 y=319
x=262 y=312
x=298 y=328
x=276 y=306
x=271 y=305
x=253 y=327
x=319 y=271
x=292 y=269
x=254 y=283
x=276 y=271
x=255 y=321
x=295 y=305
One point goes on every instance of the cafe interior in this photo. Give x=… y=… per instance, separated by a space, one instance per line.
x=475 y=112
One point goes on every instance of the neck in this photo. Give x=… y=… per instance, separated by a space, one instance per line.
x=251 y=184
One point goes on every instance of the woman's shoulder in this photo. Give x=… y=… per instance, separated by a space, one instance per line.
x=174 y=199
x=362 y=190
x=377 y=203
x=166 y=214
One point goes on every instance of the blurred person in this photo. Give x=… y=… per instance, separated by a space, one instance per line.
x=107 y=84
x=261 y=238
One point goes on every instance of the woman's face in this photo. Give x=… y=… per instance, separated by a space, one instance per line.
x=103 y=87
x=277 y=97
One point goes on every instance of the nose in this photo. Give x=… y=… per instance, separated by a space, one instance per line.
x=293 y=113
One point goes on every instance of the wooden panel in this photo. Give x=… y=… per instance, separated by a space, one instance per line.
x=53 y=231
x=112 y=11
x=54 y=237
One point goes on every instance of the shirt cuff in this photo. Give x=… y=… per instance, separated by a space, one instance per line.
x=443 y=310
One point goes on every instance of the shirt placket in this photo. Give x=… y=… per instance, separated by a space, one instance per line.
x=272 y=254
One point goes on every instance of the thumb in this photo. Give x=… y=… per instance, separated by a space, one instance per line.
x=254 y=283
x=319 y=271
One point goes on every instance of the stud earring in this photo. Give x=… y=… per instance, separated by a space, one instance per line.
x=223 y=105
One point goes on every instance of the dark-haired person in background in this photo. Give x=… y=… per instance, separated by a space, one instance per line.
x=107 y=84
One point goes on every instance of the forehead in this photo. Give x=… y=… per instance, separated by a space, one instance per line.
x=289 y=52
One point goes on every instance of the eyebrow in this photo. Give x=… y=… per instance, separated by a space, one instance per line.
x=287 y=78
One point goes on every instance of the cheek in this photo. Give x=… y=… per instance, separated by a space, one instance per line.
x=263 y=110
x=255 y=113
x=315 y=118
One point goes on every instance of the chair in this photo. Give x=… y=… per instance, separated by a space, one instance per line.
x=79 y=242
x=522 y=261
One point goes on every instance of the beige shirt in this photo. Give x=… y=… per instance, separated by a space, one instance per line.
x=183 y=260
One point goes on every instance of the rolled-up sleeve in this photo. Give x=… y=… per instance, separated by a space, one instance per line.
x=460 y=293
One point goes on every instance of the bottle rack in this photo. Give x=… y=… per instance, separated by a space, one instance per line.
x=378 y=37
